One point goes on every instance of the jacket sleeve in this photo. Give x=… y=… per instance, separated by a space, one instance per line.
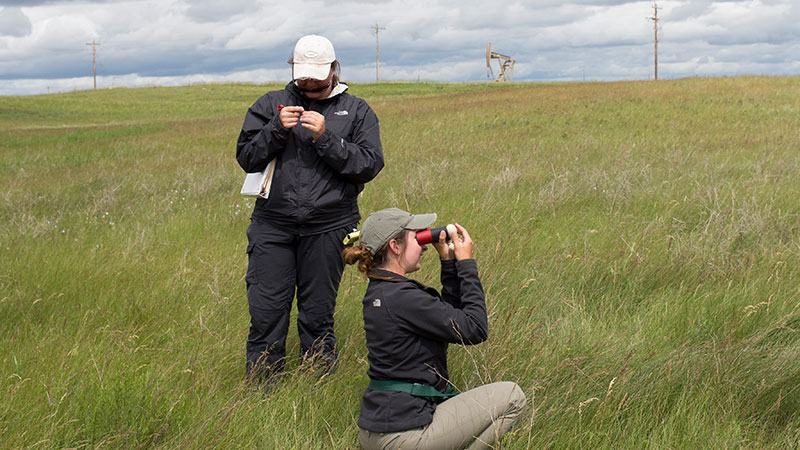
x=358 y=161
x=262 y=137
x=433 y=318
x=451 y=289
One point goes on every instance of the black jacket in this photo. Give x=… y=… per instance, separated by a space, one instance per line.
x=316 y=184
x=408 y=327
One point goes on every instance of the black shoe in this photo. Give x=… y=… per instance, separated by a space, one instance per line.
x=263 y=378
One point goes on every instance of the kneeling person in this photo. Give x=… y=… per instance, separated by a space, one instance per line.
x=410 y=403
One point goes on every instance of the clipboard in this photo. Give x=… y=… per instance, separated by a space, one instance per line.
x=257 y=184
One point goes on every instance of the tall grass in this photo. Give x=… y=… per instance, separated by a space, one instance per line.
x=638 y=243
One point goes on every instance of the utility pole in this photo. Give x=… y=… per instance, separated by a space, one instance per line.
x=655 y=38
x=377 y=29
x=94 y=60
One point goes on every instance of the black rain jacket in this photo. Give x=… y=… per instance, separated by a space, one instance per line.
x=408 y=327
x=316 y=184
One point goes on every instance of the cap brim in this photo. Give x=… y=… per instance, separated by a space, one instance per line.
x=315 y=71
x=421 y=221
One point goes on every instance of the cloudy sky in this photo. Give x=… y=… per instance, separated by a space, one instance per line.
x=43 y=43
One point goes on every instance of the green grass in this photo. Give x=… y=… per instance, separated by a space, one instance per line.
x=638 y=244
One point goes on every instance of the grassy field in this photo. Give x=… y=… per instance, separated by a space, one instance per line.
x=638 y=244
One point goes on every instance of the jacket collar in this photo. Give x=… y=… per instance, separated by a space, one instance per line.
x=386 y=275
x=294 y=90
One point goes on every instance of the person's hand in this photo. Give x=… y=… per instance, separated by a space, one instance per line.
x=290 y=115
x=442 y=247
x=315 y=122
x=462 y=243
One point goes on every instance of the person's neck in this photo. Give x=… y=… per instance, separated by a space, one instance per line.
x=394 y=267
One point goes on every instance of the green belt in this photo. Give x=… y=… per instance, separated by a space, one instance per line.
x=415 y=389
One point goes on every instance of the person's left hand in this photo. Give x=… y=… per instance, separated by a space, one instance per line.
x=443 y=248
x=314 y=121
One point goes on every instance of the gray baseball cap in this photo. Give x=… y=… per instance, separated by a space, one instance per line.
x=383 y=225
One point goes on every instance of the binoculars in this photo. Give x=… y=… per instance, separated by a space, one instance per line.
x=432 y=235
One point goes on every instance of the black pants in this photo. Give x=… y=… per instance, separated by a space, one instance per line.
x=278 y=263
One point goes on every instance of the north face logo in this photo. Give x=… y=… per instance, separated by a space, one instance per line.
x=341 y=113
x=376 y=303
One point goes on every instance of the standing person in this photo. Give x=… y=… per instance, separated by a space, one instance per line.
x=410 y=402
x=326 y=145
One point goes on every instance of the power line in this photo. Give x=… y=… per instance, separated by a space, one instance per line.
x=94 y=60
x=377 y=29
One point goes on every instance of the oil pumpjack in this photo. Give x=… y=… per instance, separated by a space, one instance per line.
x=506 y=65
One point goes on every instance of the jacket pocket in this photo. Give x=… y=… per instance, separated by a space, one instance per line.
x=252 y=274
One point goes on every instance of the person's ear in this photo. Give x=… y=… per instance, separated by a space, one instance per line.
x=394 y=246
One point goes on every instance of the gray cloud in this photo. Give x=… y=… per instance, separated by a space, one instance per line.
x=206 y=11
x=13 y=22
x=440 y=39
x=35 y=3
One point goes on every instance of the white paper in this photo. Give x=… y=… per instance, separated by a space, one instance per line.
x=258 y=183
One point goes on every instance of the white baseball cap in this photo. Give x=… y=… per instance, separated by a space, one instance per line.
x=312 y=57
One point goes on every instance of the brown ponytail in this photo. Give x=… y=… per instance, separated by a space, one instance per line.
x=358 y=254
x=366 y=261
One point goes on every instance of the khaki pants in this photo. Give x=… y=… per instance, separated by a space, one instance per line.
x=475 y=419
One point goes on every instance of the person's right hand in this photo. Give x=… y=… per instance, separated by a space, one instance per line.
x=290 y=116
x=442 y=247
x=463 y=243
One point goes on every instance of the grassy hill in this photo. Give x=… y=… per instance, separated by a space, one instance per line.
x=638 y=244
